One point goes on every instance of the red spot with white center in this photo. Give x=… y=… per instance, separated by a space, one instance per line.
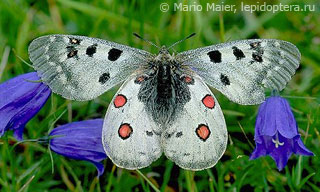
x=120 y=101
x=125 y=130
x=208 y=101
x=203 y=132
x=140 y=79
x=188 y=79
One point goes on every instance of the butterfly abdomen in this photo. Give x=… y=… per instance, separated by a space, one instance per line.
x=164 y=84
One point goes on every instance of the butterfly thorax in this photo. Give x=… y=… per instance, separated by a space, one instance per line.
x=163 y=90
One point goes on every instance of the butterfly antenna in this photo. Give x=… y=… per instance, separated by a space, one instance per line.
x=176 y=43
x=150 y=42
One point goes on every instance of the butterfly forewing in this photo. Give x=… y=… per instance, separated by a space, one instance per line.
x=82 y=68
x=130 y=138
x=197 y=138
x=242 y=69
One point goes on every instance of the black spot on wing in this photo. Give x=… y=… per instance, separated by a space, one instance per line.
x=255 y=45
x=72 y=52
x=257 y=57
x=104 y=78
x=179 y=134
x=224 y=79
x=74 y=41
x=238 y=53
x=149 y=133
x=114 y=54
x=258 y=52
x=167 y=135
x=215 y=56
x=91 y=50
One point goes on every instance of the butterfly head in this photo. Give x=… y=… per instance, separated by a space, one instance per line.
x=164 y=54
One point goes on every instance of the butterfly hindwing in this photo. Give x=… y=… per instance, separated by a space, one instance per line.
x=82 y=68
x=197 y=138
x=242 y=69
x=130 y=138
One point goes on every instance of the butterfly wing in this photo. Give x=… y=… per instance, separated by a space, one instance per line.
x=242 y=69
x=197 y=138
x=82 y=68
x=130 y=138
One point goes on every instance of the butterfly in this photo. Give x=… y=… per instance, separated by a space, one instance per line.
x=164 y=104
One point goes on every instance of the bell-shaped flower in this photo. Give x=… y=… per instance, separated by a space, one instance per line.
x=21 y=98
x=80 y=140
x=276 y=132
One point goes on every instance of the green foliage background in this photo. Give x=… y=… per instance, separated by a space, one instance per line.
x=27 y=167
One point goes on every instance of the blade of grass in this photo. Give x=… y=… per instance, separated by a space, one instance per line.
x=304 y=180
x=150 y=183
x=30 y=170
x=242 y=179
x=166 y=175
x=4 y=60
x=66 y=179
x=4 y=184
x=70 y=170
x=245 y=135
x=51 y=159
x=221 y=26
x=27 y=183
x=93 y=184
x=69 y=110
x=144 y=187
x=190 y=182
x=108 y=188
x=314 y=186
x=298 y=171
x=5 y=160
x=212 y=181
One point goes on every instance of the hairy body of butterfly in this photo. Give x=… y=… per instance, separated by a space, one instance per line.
x=163 y=90
x=164 y=104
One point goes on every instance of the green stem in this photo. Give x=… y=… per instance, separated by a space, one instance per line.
x=211 y=180
x=221 y=25
x=108 y=188
x=188 y=180
x=298 y=172
x=190 y=183
x=150 y=183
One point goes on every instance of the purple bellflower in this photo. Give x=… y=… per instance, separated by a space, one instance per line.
x=20 y=100
x=276 y=132
x=80 y=140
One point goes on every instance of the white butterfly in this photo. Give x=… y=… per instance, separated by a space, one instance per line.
x=164 y=104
